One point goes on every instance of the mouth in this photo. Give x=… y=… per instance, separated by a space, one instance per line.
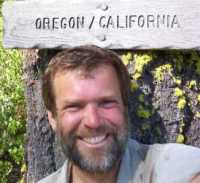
x=95 y=140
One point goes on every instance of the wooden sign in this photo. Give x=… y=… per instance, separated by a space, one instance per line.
x=127 y=24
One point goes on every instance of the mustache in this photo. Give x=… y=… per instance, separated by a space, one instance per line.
x=105 y=128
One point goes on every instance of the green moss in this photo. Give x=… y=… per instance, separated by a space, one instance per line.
x=180 y=139
x=143 y=113
x=136 y=76
x=141 y=97
x=178 y=60
x=198 y=67
x=181 y=103
x=177 y=80
x=1 y=26
x=178 y=92
x=141 y=60
x=145 y=126
x=180 y=63
x=126 y=58
x=191 y=84
x=161 y=70
x=196 y=59
x=129 y=56
x=197 y=114
x=134 y=86
x=158 y=131
x=181 y=126
x=198 y=98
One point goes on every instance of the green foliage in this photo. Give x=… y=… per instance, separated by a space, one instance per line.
x=126 y=58
x=176 y=69
x=12 y=111
x=178 y=92
x=180 y=139
x=141 y=60
x=181 y=101
x=195 y=58
x=134 y=86
x=198 y=98
x=161 y=70
x=177 y=80
x=192 y=84
x=1 y=2
x=141 y=97
x=143 y=112
x=197 y=115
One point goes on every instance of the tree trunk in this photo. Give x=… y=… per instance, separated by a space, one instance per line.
x=40 y=138
x=165 y=123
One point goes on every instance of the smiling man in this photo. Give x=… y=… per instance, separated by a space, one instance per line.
x=85 y=90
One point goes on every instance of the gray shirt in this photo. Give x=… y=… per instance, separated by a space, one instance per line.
x=158 y=163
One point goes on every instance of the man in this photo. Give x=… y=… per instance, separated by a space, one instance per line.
x=85 y=90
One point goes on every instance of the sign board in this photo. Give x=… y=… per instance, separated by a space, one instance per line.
x=115 y=24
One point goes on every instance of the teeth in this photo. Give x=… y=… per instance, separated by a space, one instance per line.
x=94 y=140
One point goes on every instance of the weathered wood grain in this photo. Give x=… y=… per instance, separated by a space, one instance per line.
x=128 y=24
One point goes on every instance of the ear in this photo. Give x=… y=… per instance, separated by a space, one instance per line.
x=52 y=120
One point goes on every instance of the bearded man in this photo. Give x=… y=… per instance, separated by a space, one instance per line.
x=85 y=90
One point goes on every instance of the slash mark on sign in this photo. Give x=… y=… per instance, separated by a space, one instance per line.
x=91 y=23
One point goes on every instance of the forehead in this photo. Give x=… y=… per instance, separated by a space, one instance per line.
x=101 y=78
x=86 y=72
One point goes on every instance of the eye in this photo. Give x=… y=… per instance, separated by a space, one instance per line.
x=108 y=104
x=72 y=108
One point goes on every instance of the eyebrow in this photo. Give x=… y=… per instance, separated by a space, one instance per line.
x=82 y=101
x=73 y=102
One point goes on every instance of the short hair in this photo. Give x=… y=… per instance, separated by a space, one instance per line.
x=85 y=58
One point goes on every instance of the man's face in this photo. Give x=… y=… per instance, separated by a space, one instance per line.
x=91 y=120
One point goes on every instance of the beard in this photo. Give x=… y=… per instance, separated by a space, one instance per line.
x=95 y=160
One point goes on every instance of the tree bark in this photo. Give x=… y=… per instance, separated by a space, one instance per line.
x=40 y=138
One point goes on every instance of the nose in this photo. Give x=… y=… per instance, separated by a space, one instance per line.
x=91 y=117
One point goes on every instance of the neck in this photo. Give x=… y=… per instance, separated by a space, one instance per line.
x=80 y=176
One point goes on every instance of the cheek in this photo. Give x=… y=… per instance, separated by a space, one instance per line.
x=114 y=116
x=69 y=122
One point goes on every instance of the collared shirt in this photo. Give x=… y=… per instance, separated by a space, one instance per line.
x=158 y=163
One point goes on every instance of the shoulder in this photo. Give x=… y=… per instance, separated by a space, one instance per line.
x=184 y=153
x=145 y=151
x=164 y=151
x=160 y=162
x=176 y=163
x=58 y=176
x=50 y=178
